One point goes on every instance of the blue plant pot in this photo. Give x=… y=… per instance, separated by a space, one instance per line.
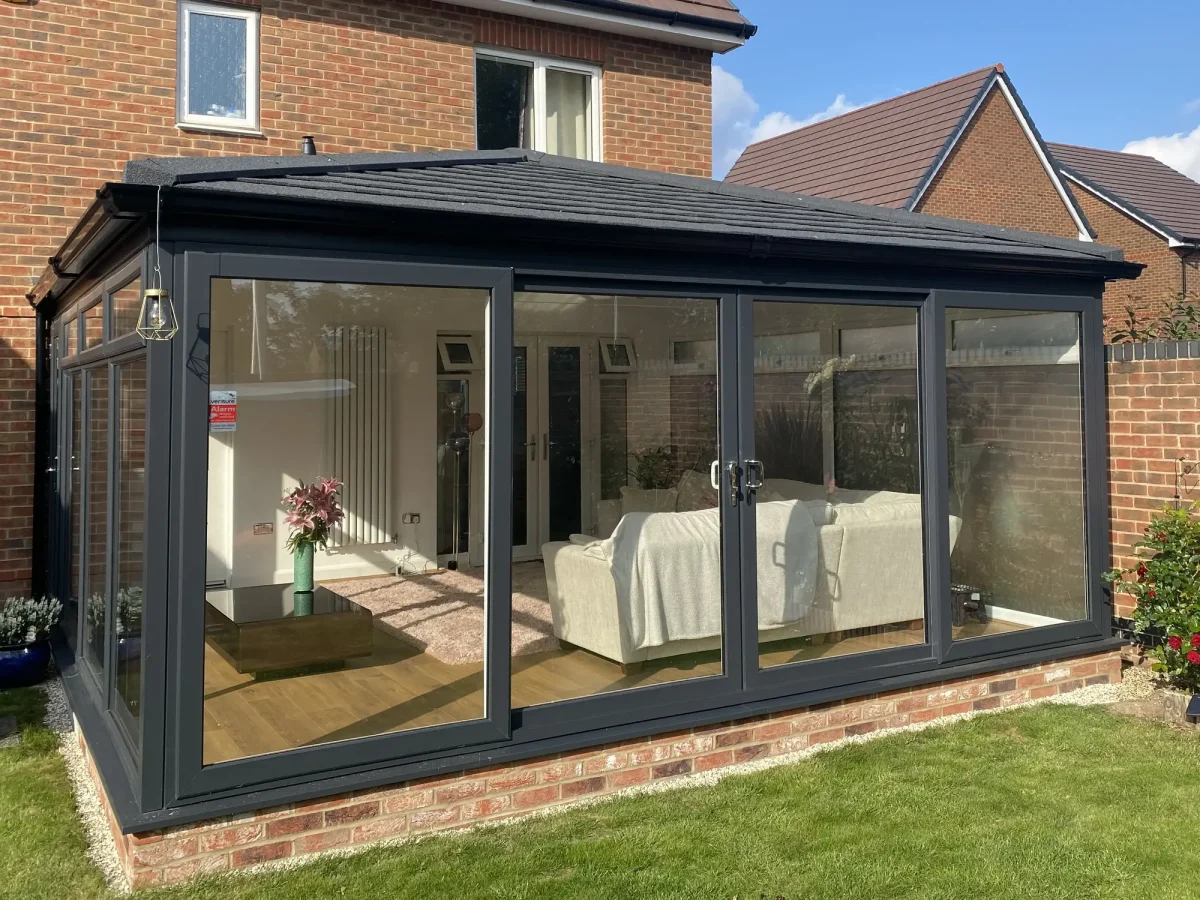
x=23 y=664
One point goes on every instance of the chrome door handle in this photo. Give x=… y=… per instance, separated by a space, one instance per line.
x=755 y=474
x=714 y=476
x=735 y=479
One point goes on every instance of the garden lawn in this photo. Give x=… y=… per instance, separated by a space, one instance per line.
x=1049 y=802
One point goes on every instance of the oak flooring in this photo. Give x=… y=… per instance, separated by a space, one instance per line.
x=399 y=687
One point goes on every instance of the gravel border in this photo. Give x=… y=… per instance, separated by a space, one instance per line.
x=101 y=847
x=102 y=851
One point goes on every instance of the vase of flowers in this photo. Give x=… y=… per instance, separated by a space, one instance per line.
x=25 y=624
x=312 y=511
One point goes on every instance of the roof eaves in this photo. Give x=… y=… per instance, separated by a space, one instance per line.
x=1122 y=205
x=743 y=29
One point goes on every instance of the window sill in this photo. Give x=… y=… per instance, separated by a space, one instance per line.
x=218 y=129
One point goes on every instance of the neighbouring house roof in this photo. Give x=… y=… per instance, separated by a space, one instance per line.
x=888 y=153
x=715 y=24
x=1166 y=201
x=511 y=187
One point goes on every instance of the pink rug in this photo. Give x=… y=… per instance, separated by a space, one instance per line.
x=443 y=613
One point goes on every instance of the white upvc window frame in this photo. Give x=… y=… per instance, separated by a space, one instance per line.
x=183 y=119
x=540 y=65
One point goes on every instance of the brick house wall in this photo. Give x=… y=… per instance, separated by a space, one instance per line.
x=508 y=792
x=1161 y=279
x=994 y=176
x=86 y=85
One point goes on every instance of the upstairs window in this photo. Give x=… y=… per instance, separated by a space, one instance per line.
x=218 y=66
x=537 y=104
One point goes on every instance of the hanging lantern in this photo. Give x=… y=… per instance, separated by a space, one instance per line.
x=157 y=321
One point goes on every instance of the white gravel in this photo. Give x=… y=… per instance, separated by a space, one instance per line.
x=1137 y=684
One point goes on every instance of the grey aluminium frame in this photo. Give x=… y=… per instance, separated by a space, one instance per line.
x=185 y=773
x=1095 y=472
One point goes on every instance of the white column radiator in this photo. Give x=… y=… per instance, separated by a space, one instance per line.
x=360 y=434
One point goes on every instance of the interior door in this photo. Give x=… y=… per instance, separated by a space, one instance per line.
x=565 y=378
x=525 y=452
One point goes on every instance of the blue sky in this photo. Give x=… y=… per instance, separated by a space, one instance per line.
x=1103 y=73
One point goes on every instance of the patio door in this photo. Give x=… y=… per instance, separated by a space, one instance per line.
x=833 y=520
x=554 y=379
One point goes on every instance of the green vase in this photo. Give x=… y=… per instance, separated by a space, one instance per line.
x=302 y=567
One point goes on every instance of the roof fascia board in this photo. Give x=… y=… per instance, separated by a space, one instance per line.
x=1000 y=80
x=690 y=31
x=1149 y=223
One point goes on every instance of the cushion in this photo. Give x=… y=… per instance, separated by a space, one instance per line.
x=640 y=500
x=822 y=512
x=852 y=513
x=795 y=490
x=695 y=492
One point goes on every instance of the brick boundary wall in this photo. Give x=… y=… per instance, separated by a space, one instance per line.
x=1153 y=420
x=508 y=792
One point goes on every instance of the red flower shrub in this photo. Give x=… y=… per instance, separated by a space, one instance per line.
x=1196 y=640
x=1175 y=642
x=1194 y=657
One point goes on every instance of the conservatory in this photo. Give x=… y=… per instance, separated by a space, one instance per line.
x=617 y=454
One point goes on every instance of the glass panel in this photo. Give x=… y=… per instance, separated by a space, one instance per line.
x=522 y=426
x=1015 y=432
x=93 y=326
x=75 y=460
x=503 y=102
x=454 y=467
x=216 y=55
x=95 y=625
x=839 y=527
x=130 y=515
x=311 y=381
x=567 y=113
x=628 y=591
x=126 y=304
x=565 y=445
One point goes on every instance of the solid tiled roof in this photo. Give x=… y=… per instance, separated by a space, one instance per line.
x=878 y=154
x=1152 y=190
x=518 y=184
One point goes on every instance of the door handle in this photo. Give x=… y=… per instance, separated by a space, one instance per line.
x=714 y=474
x=755 y=474
x=735 y=480
x=545 y=445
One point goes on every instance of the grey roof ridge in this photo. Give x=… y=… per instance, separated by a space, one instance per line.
x=1114 y=199
x=171 y=171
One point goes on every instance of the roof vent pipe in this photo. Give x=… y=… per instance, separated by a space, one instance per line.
x=308 y=146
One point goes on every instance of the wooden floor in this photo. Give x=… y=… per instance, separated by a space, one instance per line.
x=399 y=687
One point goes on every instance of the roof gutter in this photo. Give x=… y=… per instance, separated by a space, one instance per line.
x=624 y=17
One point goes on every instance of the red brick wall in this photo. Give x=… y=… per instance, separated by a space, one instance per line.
x=1153 y=420
x=86 y=85
x=995 y=177
x=507 y=792
x=1161 y=279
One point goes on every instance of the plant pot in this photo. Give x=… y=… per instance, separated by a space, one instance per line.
x=23 y=664
x=129 y=647
x=302 y=567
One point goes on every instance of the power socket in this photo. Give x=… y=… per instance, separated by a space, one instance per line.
x=410 y=518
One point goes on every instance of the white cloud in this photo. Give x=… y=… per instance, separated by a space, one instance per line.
x=1179 y=151
x=736 y=122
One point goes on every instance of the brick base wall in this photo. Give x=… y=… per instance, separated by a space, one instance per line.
x=508 y=792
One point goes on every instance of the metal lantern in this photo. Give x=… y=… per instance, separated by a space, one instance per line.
x=157 y=321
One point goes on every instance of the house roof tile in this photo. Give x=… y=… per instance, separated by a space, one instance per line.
x=1152 y=190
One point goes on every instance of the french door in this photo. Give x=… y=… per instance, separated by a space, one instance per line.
x=554 y=436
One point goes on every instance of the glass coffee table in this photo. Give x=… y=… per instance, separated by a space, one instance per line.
x=256 y=630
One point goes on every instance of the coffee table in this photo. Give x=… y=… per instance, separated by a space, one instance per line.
x=255 y=630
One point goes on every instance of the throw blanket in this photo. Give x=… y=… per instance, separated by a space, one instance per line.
x=667 y=569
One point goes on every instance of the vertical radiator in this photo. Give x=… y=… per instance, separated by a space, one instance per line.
x=360 y=434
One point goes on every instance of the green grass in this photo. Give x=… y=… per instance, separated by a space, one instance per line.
x=1052 y=802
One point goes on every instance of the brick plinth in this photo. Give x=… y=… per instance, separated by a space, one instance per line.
x=510 y=791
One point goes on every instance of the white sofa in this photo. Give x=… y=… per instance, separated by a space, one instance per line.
x=869 y=572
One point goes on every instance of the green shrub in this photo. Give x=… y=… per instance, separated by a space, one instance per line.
x=1166 y=587
x=26 y=619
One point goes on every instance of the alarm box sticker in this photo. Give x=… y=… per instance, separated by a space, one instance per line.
x=222 y=410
